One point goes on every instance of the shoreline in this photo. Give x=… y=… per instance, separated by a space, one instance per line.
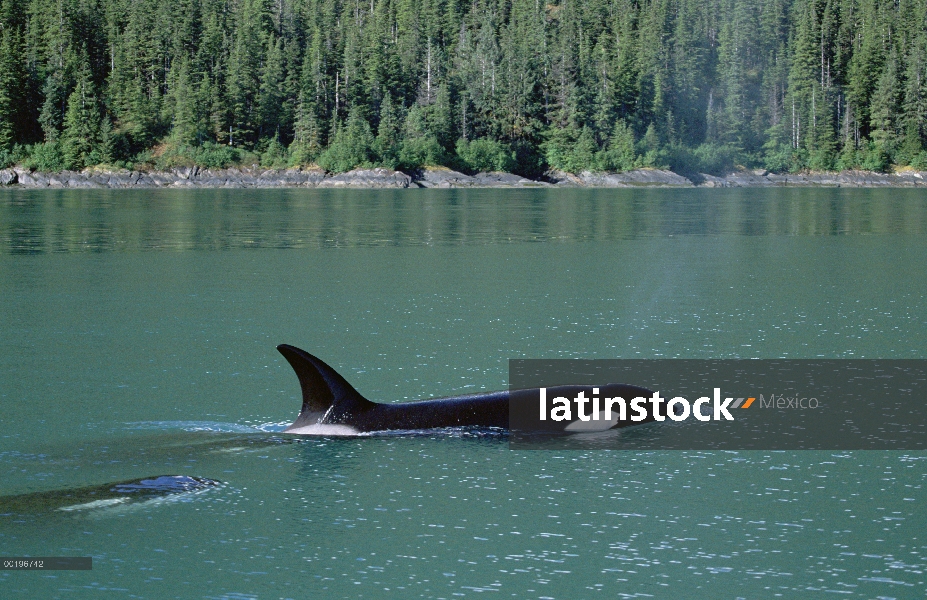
x=435 y=177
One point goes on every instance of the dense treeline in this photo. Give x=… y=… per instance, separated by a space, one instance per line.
x=482 y=85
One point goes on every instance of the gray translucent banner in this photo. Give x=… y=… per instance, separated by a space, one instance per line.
x=46 y=563
x=745 y=404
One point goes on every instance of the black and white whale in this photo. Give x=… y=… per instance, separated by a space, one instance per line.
x=331 y=406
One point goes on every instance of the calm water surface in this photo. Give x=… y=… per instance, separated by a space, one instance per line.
x=137 y=334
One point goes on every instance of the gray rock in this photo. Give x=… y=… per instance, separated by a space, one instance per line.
x=757 y=178
x=563 y=179
x=186 y=173
x=912 y=178
x=120 y=180
x=184 y=183
x=656 y=177
x=212 y=182
x=431 y=177
x=711 y=181
x=499 y=179
x=100 y=180
x=270 y=178
x=637 y=177
x=308 y=177
x=79 y=181
x=29 y=179
x=246 y=180
x=439 y=177
x=254 y=176
x=867 y=179
x=161 y=179
x=367 y=178
x=144 y=180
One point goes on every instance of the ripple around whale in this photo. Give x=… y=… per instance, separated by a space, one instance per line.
x=213 y=426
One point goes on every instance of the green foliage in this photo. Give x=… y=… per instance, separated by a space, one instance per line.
x=307 y=139
x=712 y=159
x=45 y=157
x=11 y=79
x=275 y=155
x=421 y=152
x=582 y=155
x=558 y=148
x=620 y=154
x=777 y=158
x=80 y=139
x=485 y=155
x=352 y=146
x=873 y=157
x=216 y=156
x=571 y=150
x=106 y=149
x=14 y=155
x=910 y=147
x=529 y=161
x=822 y=159
x=649 y=148
x=210 y=155
x=387 y=144
x=419 y=145
x=919 y=161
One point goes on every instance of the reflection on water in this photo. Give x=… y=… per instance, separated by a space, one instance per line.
x=39 y=221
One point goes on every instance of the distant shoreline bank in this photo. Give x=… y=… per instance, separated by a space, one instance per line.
x=380 y=178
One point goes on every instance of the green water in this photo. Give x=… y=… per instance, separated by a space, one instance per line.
x=137 y=334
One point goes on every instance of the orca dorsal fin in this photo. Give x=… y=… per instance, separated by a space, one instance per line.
x=327 y=397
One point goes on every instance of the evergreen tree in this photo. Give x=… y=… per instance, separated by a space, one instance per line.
x=81 y=135
x=913 y=119
x=11 y=93
x=884 y=108
x=244 y=70
x=307 y=137
x=387 y=143
x=270 y=96
x=620 y=154
x=185 y=122
x=351 y=147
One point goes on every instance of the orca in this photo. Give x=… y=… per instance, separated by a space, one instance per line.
x=140 y=493
x=332 y=407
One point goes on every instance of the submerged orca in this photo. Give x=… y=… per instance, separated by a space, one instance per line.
x=95 y=498
x=331 y=406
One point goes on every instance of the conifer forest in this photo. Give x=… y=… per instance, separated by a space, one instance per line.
x=475 y=85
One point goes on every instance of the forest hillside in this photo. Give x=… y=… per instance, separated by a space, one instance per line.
x=508 y=85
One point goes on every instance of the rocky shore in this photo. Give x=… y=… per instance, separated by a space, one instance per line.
x=257 y=177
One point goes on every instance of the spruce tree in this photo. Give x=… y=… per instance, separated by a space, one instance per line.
x=884 y=108
x=185 y=124
x=11 y=77
x=81 y=134
x=387 y=144
x=270 y=95
x=351 y=147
